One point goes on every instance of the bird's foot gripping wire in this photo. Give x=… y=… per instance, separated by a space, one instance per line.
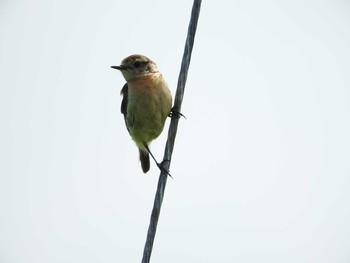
x=175 y=111
x=163 y=169
x=160 y=165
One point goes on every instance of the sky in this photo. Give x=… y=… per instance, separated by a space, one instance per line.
x=261 y=163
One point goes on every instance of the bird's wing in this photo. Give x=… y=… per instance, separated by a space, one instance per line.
x=124 y=105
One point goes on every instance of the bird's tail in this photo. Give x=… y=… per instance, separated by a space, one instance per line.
x=144 y=158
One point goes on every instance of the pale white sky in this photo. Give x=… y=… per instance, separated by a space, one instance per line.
x=261 y=165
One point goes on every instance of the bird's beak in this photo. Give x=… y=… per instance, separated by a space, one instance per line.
x=121 y=67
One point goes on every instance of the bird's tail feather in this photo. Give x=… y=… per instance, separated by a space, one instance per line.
x=144 y=158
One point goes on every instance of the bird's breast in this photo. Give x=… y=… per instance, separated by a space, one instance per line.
x=149 y=104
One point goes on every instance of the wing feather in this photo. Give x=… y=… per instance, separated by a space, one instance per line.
x=124 y=105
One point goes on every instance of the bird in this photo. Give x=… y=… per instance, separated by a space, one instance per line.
x=146 y=103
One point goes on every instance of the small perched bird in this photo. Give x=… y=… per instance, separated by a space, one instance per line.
x=146 y=103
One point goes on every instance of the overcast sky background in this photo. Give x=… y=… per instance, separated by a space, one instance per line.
x=261 y=165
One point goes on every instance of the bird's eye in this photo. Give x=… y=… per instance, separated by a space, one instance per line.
x=137 y=64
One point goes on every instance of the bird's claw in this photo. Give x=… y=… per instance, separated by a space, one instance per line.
x=163 y=169
x=176 y=112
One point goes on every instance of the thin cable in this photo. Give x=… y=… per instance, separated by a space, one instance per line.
x=186 y=59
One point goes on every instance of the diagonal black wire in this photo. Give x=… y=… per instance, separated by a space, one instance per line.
x=172 y=131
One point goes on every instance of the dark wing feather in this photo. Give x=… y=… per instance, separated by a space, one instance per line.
x=124 y=105
x=124 y=92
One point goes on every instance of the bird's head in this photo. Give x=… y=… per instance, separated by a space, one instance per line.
x=136 y=66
